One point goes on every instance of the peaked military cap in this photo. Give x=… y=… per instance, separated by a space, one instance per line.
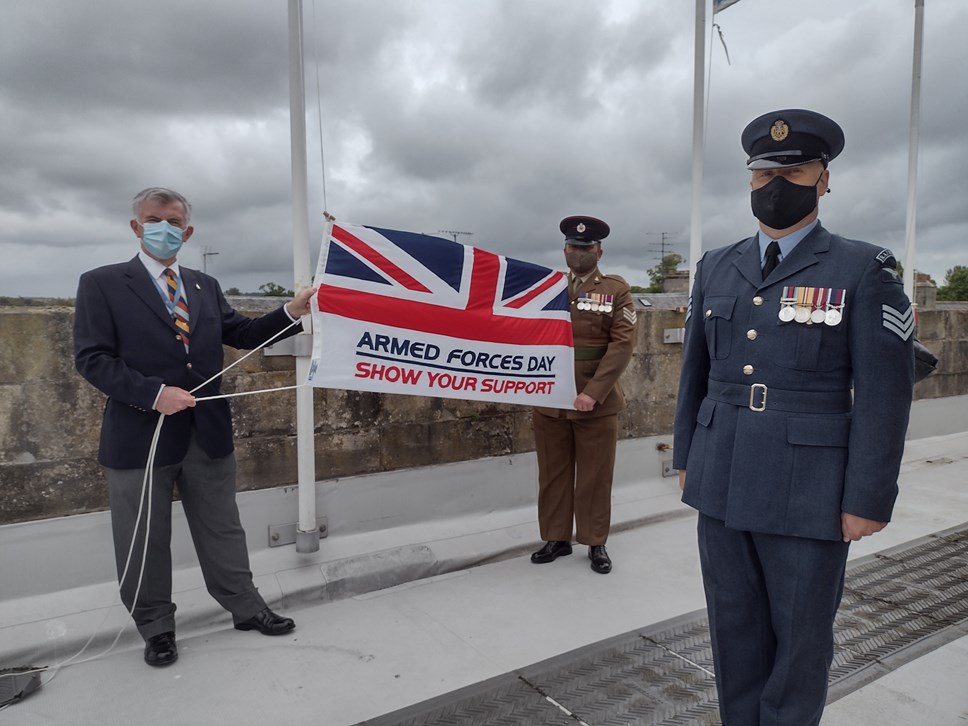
x=791 y=137
x=581 y=231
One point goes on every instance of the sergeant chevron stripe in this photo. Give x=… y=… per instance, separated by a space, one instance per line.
x=901 y=323
x=689 y=309
x=629 y=314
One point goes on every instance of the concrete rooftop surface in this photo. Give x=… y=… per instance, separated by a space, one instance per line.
x=464 y=605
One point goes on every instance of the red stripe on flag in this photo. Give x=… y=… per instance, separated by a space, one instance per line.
x=525 y=299
x=375 y=258
x=479 y=324
x=483 y=290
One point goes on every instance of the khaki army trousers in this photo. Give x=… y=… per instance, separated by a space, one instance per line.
x=576 y=460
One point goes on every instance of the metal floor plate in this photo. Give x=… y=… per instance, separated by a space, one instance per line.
x=897 y=605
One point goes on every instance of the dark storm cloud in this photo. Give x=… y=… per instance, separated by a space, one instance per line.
x=532 y=55
x=495 y=118
x=145 y=60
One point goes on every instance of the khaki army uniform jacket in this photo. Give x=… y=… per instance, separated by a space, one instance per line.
x=603 y=326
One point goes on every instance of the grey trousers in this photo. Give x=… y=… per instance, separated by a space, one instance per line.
x=207 y=489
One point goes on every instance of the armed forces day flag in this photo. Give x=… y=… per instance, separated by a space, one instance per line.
x=400 y=312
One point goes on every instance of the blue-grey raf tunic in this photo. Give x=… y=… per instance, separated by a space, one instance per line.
x=835 y=398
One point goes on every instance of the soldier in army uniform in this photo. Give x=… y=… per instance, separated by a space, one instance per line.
x=796 y=386
x=576 y=448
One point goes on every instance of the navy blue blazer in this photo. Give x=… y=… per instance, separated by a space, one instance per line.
x=126 y=346
x=782 y=425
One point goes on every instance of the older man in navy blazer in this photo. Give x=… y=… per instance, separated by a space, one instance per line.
x=796 y=385
x=147 y=333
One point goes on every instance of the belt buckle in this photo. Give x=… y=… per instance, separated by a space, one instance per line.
x=762 y=405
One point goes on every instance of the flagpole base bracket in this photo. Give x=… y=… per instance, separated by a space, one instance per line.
x=287 y=534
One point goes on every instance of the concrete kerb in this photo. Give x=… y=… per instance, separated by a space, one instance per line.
x=47 y=626
x=76 y=614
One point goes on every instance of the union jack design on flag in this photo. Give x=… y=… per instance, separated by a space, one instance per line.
x=411 y=313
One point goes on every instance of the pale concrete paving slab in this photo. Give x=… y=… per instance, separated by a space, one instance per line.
x=357 y=658
x=930 y=690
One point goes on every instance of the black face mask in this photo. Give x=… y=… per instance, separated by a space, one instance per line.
x=781 y=203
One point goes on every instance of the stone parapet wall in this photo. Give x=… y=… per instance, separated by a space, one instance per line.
x=50 y=417
x=944 y=331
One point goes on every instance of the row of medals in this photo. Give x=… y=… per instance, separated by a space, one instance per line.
x=812 y=305
x=595 y=302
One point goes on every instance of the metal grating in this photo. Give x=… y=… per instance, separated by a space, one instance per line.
x=897 y=605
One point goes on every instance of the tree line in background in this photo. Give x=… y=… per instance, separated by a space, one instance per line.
x=670 y=263
x=269 y=289
x=955 y=284
x=955 y=288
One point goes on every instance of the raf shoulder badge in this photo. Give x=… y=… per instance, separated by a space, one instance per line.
x=889 y=274
x=812 y=305
x=884 y=256
x=888 y=263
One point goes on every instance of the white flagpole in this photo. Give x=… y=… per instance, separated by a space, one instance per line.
x=910 y=232
x=698 y=132
x=307 y=533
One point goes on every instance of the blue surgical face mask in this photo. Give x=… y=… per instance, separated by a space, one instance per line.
x=161 y=239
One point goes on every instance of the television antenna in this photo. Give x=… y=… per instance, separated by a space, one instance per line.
x=206 y=253
x=453 y=232
x=663 y=244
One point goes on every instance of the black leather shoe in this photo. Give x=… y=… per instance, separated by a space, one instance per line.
x=160 y=650
x=601 y=562
x=551 y=552
x=267 y=623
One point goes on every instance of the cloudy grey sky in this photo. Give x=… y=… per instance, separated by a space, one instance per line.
x=495 y=117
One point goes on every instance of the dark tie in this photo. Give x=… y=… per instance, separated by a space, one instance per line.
x=772 y=258
x=181 y=306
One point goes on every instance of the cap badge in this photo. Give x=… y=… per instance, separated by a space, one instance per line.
x=580 y=227
x=779 y=130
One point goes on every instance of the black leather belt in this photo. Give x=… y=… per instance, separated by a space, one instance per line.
x=759 y=397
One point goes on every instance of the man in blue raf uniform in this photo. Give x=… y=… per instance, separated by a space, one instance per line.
x=796 y=385
x=576 y=447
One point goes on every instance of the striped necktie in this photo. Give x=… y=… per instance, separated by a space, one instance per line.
x=180 y=313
